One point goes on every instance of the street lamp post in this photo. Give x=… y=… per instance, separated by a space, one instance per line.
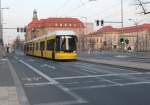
x=122 y=25
x=1 y=37
x=2 y=20
x=1 y=31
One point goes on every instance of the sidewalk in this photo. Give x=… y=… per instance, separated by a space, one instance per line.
x=8 y=94
x=95 y=58
x=144 y=55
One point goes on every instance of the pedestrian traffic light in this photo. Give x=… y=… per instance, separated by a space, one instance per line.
x=105 y=43
x=102 y=22
x=127 y=41
x=122 y=40
x=22 y=29
x=97 y=22
x=25 y=29
x=18 y=29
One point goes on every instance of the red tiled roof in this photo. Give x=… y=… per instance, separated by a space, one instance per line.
x=125 y=29
x=63 y=20
x=108 y=29
x=44 y=22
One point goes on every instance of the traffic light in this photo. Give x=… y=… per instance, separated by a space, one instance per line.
x=22 y=29
x=122 y=40
x=127 y=41
x=18 y=29
x=102 y=22
x=97 y=22
x=105 y=43
x=25 y=29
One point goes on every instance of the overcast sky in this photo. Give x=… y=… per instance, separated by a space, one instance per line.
x=20 y=12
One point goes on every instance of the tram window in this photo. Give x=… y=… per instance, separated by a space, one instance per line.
x=27 y=47
x=42 y=45
x=37 y=46
x=50 y=44
x=30 y=46
x=33 y=47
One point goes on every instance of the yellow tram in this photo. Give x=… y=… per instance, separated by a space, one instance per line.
x=58 y=45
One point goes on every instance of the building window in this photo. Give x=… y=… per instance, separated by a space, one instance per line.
x=75 y=25
x=56 y=24
x=61 y=25
x=70 y=25
x=65 y=25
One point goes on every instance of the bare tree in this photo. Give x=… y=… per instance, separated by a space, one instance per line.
x=142 y=5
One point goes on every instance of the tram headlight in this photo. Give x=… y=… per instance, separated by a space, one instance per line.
x=74 y=51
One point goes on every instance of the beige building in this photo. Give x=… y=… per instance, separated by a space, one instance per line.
x=108 y=38
x=37 y=28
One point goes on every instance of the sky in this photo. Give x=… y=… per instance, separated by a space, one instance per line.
x=20 y=12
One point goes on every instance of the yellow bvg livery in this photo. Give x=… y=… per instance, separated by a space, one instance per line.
x=58 y=45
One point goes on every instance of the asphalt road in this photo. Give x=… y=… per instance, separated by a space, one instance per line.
x=47 y=82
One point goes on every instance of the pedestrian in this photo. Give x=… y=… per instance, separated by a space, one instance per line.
x=7 y=49
x=129 y=49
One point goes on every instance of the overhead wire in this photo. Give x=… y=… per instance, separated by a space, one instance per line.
x=78 y=7
x=61 y=7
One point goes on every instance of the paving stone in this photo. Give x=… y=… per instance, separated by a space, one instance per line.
x=8 y=96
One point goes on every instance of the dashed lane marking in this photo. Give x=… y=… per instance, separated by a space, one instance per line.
x=57 y=84
x=4 y=59
x=107 y=80
x=37 y=84
x=87 y=70
x=31 y=78
x=31 y=60
x=60 y=103
x=48 y=66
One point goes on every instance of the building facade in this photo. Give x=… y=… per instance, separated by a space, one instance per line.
x=108 y=38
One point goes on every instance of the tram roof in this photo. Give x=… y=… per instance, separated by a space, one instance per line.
x=55 y=33
x=61 y=32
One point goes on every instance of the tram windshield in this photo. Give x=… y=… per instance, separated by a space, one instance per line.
x=66 y=43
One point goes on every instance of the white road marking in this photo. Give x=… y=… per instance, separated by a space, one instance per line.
x=69 y=83
x=60 y=103
x=16 y=57
x=37 y=84
x=39 y=72
x=31 y=79
x=54 y=82
x=31 y=60
x=116 y=83
x=4 y=59
x=87 y=70
x=49 y=66
x=93 y=76
x=113 y=85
